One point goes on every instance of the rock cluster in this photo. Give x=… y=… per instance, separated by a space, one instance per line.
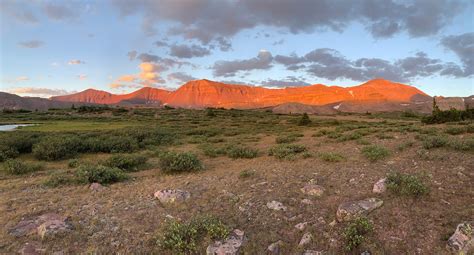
x=348 y=211
x=463 y=238
x=45 y=225
x=172 y=195
x=230 y=246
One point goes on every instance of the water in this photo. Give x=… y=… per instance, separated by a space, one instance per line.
x=13 y=126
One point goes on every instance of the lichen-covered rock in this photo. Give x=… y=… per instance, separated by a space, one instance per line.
x=277 y=206
x=172 y=195
x=306 y=239
x=230 y=246
x=96 y=187
x=31 y=248
x=53 y=227
x=275 y=248
x=380 y=186
x=311 y=252
x=350 y=210
x=44 y=225
x=301 y=226
x=463 y=238
x=312 y=190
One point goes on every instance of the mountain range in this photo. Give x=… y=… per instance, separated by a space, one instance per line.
x=373 y=96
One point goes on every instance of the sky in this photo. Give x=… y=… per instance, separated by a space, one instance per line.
x=50 y=48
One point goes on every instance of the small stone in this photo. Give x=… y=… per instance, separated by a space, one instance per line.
x=306 y=239
x=275 y=248
x=365 y=253
x=277 y=206
x=333 y=223
x=312 y=252
x=463 y=238
x=96 y=186
x=350 y=210
x=380 y=186
x=172 y=195
x=306 y=201
x=230 y=246
x=312 y=190
x=301 y=226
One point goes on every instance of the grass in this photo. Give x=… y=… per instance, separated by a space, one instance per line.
x=241 y=152
x=355 y=233
x=375 y=152
x=246 y=173
x=187 y=237
x=286 y=151
x=406 y=184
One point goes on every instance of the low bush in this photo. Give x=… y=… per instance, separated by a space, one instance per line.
x=375 y=152
x=241 y=152
x=430 y=142
x=62 y=179
x=187 y=237
x=406 y=184
x=177 y=162
x=331 y=157
x=56 y=147
x=455 y=130
x=7 y=152
x=100 y=174
x=355 y=232
x=15 y=167
x=286 y=151
x=286 y=139
x=212 y=151
x=462 y=144
x=73 y=163
x=127 y=162
x=246 y=173
x=304 y=120
x=405 y=145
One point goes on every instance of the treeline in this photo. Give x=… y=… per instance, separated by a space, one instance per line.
x=452 y=115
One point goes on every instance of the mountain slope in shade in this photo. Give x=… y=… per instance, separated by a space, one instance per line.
x=205 y=93
x=10 y=101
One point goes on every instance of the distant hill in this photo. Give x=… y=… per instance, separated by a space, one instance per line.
x=10 y=101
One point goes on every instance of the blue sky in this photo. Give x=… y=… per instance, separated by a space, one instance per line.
x=58 y=47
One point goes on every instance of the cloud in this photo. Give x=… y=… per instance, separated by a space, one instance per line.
x=75 y=62
x=230 y=68
x=185 y=51
x=289 y=81
x=163 y=63
x=22 y=78
x=207 y=20
x=58 y=12
x=31 y=44
x=181 y=77
x=463 y=46
x=127 y=78
x=82 y=77
x=17 y=11
x=132 y=55
x=43 y=92
x=332 y=65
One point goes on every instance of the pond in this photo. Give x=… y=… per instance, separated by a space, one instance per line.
x=12 y=127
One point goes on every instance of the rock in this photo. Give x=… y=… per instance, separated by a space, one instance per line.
x=53 y=224
x=350 y=210
x=277 y=206
x=306 y=239
x=463 y=238
x=96 y=187
x=46 y=224
x=313 y=190
x=275 y=248
x=301 y=226
x=172 y=195
x=230 y=246
x=31 y=249
x=312 y=252
x=380 y=186
x=306 y=201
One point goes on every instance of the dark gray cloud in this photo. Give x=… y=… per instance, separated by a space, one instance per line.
x=230 y=68
x=163 y=63
x=290 y=81
x=17 y=11
x=31 y=44
x=181 y=77
x=185 y=51
x=463 y=46
x=331 y=65
x=132 y=55
x=161 y=44
x=206 y=20
x=57 y=11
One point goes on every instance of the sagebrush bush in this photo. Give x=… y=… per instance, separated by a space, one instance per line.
x=177 y=162
x=455 y=130
x=61 y=179
x=331 y=156
x=73 y=163
x=304 y=120
x=430 y=142
x=7 y=152
x=17 y=167
x=406 y=184
x=241 y=152
x=355 y=232
x=186 y=237
x=286 y=139
x=286 y=151
x=375 y=152
x=127 y=162
x=101 y=174
x=56 y=147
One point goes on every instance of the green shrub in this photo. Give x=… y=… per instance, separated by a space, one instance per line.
x=110 y=144
x=331 y=156
x=56 y=148
x=406 y=184
x=355 y=232
x=375 y=152
x=57 y=180
x=210 y=112
x=430 y=142
x=286 y=151
x=246 y=173
x=7 y=152
x=287 y=138
x=73 y=163
x=212 y=151
x=304 y=120
x=241 y=152
x=462 y=144
x=16 y=167
x=177 y=162
x=186 y=237
x=100 y=174
x=404 y=145
x=127 y=162
x=455 y=130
